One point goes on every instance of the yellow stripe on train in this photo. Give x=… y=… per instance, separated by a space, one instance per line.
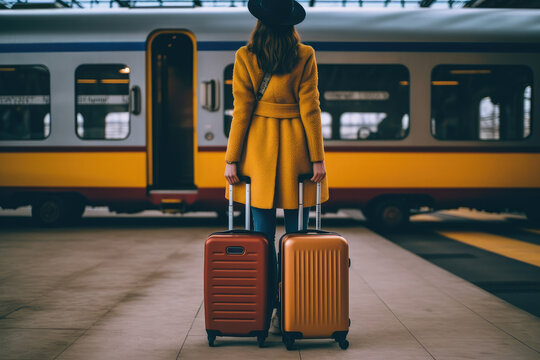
x=345 y=170
x=412 y=170
x=74 y=169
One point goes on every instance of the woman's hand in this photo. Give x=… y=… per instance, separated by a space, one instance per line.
x=319 y=171
x=231 y=174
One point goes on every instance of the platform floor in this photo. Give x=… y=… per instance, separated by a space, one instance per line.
x=134 y=290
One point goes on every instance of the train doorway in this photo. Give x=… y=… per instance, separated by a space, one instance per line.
x=171 y=114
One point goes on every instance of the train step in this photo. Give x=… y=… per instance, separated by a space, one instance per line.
x=172 y=206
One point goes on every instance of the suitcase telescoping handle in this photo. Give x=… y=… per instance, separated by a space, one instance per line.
x=301 y=180
x=247 y=180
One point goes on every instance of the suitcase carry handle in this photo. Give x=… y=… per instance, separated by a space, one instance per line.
x=301 y=179
x=247 y=180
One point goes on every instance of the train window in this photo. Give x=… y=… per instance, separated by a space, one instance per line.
x=481 y=102
x=228 y=101
x=365 y=126
x=364 y=102
x=358 y=102
x=102 y=106
x=24 y=102
x=527 y=111
x=326 y=121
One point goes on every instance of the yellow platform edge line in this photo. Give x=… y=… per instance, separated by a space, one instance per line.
x=425 y=217
x=510 y=248
x=476 y=215
x=536 y=231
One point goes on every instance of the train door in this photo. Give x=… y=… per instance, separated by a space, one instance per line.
x=171 y=114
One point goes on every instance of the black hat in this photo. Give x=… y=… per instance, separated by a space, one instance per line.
x=277 y=12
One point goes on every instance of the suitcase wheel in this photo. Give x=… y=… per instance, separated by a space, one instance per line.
x=288 y=340
x=260 y=340
x=211 y=339
x=344 y=344
x=341 y=339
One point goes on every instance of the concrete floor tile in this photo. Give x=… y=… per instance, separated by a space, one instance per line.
x=365 y=349
x=125 y=344
x=462 y=347
x=19 y=344
x=37 y=317
x=234 y=348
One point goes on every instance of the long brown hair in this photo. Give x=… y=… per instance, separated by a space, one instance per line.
x=276 y=47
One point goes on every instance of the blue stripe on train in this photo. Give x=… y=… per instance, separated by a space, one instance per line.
x=74 y=47
x=470 y=47
x=393 y=46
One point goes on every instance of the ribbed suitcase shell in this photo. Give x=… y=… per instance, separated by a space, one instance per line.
x=235 y=285
x=315 y=284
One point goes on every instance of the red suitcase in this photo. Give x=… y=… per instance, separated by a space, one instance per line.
x=235 y=280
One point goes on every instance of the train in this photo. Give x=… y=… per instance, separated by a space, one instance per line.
x=422 y=109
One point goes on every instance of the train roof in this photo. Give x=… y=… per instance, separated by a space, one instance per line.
x=235 y=24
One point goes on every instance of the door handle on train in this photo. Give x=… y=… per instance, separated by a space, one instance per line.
x=135 y=100
x=210 y=95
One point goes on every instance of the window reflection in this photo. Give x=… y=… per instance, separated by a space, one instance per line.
x=527 y=111
x=360 y=125
x=326 y=121
x=227 y=98
x=489 y=119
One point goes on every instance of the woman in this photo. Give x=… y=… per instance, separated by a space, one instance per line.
x=283 y=138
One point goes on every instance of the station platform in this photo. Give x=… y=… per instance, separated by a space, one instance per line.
x=133 y=289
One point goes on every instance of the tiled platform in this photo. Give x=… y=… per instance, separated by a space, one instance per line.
x=134 y=290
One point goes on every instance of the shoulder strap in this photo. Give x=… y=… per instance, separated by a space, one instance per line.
x=263 y=86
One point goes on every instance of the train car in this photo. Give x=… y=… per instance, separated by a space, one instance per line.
x=422 y=109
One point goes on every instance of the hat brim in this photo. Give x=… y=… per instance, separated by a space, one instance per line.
x=296 y=17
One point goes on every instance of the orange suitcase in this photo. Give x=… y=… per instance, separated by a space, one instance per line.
x=235 y=280
x=314 y=286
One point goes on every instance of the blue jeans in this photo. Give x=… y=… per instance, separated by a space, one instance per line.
x=264 y=220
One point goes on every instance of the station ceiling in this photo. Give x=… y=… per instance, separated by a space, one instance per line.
x=514 y=4
x=33 y=4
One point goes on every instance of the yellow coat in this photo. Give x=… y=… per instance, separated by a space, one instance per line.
x=283 y=138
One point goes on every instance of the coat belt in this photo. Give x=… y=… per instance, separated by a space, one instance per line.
x=276 y=110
